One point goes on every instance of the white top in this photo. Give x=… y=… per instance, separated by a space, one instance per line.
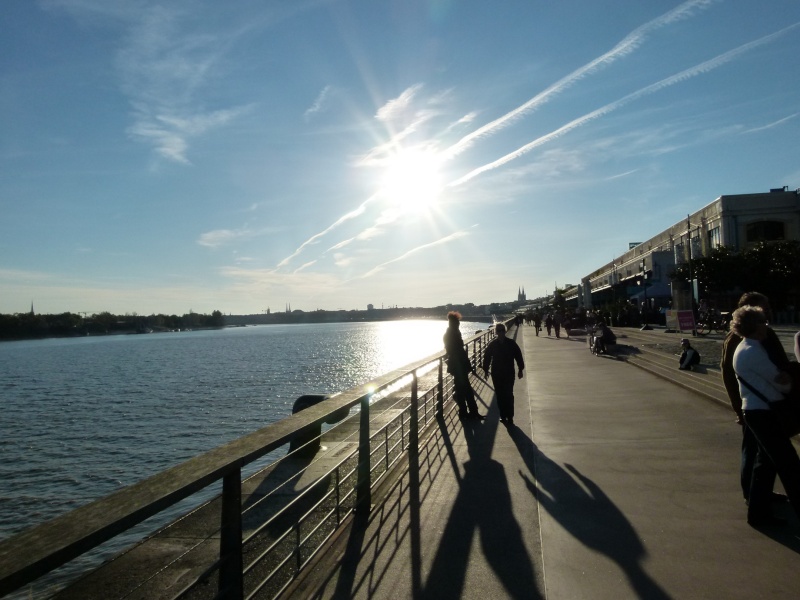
x=750 y=361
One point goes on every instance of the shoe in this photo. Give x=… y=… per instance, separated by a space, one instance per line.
x=509 y=421
x=766 y=521
x=477 y=416
x=779 y=498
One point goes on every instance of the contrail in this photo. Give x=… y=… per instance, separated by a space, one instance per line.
x=702 y=68
x=351 y=215
x=630 y=43
x=444 y=240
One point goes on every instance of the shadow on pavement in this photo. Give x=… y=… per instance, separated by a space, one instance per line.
x=583 y=510
x=482 y=507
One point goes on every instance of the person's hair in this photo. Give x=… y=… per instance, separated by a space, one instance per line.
x=454 y=315
x=753 y=299
x=500 y=327
x=746 y=320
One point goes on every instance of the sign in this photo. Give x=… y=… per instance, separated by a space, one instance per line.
x=632 y=245
x=682 y=320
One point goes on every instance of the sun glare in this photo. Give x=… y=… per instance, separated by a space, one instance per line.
x=412 y=181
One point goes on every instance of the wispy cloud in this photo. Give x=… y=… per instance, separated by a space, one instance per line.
x=220 y=237
x=700 y=69
x=319 y=103
x=625 y=47
x=223 y=237
x=163 y=68
x=445 y=240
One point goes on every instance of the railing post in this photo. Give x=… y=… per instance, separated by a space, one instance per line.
x=363 y=484
x=413 y=430
x=440 y=390
x=231 y=583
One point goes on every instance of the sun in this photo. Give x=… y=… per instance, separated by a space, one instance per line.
x=412 y=181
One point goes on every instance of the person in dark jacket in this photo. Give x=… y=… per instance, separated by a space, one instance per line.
x=689 y=356
x=500 y=355
x=459 y=366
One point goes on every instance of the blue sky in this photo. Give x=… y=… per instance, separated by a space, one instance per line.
x=245 y=155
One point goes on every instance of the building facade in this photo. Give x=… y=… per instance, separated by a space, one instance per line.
x=642 y=273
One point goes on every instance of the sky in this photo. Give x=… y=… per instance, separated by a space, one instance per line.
x=250 y=155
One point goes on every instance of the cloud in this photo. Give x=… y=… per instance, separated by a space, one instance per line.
x=398 y=109
x=218 y=237
x=700 y=69
x=625 y=47
x=222 y=237
x=319 y=103
x=163 y=68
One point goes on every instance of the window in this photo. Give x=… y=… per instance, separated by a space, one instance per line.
x=765 y=231
x=714 y=238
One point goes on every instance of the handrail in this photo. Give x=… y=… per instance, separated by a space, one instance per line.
x=44 y=547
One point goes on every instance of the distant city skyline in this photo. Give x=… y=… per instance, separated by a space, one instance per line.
x=330 y=154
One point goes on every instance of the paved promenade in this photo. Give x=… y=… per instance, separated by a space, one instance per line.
x=613 y=483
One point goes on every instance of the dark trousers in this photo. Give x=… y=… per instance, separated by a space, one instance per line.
x=464 y=394
x=749 y=453
x=775 y=454
x=504 y=389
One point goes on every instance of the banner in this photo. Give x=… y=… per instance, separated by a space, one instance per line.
x=681 y=320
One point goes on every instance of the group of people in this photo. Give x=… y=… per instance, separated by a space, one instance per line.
x=758 y=377
x=499 y=358
x=553 y=321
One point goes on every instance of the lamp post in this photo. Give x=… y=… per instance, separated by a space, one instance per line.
x=643 y=283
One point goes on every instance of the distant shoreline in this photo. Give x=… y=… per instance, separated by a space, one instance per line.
x=140 y=325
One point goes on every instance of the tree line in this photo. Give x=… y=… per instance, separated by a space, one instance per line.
x=772 y=268
x=30 y=325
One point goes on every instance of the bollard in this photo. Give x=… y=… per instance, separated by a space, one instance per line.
x=309 y=441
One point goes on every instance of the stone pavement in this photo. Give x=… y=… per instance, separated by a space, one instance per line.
x=612 y=484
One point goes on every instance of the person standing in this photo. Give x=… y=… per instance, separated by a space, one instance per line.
x=500 y=355
x=761 y=384
x=459 y=366
x=774 y=349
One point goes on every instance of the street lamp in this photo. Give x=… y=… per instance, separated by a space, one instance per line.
x=643 y=283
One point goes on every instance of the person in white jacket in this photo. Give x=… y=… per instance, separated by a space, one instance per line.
x=761 y=384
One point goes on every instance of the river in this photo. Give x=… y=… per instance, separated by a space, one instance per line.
x=82 y=417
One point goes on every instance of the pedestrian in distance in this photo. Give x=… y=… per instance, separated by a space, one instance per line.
x=761 y=385
x=690 y=357
x=777 y=355
x=499 y=358
x=557 y=324
x=537 y=322
x=548 y=322
x=459 y=366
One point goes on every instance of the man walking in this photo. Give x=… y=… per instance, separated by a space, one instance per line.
x=500 y=355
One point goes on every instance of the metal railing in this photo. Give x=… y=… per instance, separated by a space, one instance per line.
x=265 y=544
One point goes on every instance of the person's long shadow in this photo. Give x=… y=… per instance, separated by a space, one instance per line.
x=482 y=506
x=586 y=512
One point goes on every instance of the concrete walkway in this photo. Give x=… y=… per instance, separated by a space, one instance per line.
x=612 y=484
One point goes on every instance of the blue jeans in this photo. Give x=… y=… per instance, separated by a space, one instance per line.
x=775 y=454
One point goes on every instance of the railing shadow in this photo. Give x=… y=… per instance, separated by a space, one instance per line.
x=582 y=508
